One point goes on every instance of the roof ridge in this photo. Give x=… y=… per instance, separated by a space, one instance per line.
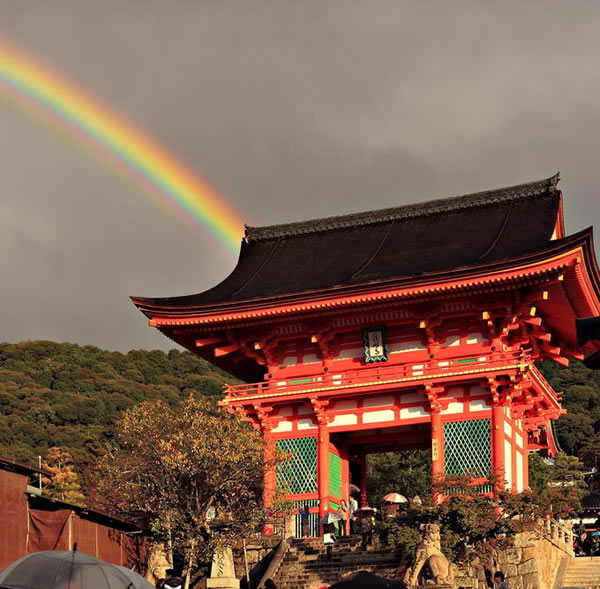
x=420 y=209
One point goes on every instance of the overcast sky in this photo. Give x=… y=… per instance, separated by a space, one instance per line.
x=292 y=110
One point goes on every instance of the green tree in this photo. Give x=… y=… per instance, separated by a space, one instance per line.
x=566 y=487
x=540 y=474
x=589 y=451
x=408 y=473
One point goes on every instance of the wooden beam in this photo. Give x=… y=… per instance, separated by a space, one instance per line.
x=537 y=321
x=208 y=341
x=224 y=350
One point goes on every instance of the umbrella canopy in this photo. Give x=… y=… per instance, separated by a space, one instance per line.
x=353 y=488
x=367 y=580
x=331 y=517
x=60 y=569
x=365 y=512
x=138 y=581
x=395 y=498
x=595 y=533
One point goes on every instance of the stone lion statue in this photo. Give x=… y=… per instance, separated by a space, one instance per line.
x=429 y=555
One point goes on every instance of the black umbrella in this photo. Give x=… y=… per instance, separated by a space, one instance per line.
x=59 y=569
x=367 y=580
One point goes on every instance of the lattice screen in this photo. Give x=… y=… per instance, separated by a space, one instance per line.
x=335 y=475
x=467 y=447
x=299 y=473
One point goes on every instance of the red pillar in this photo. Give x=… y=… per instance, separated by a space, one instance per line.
x=498 y=445
x=437 y=447
x=525 y=461
x=363 y=480
x=270 y=478
x=345 y=482
x=437 y=444
x=323 y=469
x=513 y=474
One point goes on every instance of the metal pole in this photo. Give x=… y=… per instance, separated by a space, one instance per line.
x=246 y=564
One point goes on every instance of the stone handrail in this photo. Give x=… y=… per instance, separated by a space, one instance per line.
x=275 y=562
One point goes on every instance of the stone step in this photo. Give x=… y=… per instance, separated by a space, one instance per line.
x=582 y=573
x=586 y=571
x=335 y=567
x=374 y=555
x=335 y=573
x=305 y=566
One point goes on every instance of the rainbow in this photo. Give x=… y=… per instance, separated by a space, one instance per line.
x=36 y=89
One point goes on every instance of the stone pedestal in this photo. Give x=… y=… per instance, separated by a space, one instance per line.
x=222 y=571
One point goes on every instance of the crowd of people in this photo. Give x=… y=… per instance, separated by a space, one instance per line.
x=586 y=542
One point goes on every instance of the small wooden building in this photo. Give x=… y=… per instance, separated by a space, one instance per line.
x=412 y=327
x=33 y=523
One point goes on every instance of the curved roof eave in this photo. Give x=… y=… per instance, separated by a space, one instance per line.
x=583 y=239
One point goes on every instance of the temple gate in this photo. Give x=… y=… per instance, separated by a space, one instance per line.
x=412 y=327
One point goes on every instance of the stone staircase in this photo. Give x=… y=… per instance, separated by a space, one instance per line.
x=582 y=572
x=305 y=566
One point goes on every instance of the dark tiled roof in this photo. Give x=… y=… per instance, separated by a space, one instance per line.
x=423 y=209
x=405 y=241
x=591 y=501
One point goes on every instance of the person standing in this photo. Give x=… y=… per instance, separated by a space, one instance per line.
x=353 y=518
x=390 y=509
x=366 y=531
x=305 y=521
x=328 y=540
x=499 y=581
x=343 y=523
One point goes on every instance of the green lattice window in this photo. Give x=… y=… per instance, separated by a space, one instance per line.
x=299 y=473
x=335 y=475
x=467 y=447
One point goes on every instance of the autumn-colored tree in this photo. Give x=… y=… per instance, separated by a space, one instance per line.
x=193 y=474
x=63 y=483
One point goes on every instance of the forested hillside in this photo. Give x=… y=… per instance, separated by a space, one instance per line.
x=60 y=394
x=54 y=394
x=578 y=431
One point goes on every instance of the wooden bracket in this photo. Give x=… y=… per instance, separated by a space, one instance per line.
x=262 y=414
x=319 y=407
x=325 y=340
x=433 y=393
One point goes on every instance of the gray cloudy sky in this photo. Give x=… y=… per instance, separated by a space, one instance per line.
x=292 y=110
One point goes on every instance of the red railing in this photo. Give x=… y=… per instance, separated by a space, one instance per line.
x=379 y=375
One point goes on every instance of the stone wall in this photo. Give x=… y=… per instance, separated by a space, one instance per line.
x=532 y=563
